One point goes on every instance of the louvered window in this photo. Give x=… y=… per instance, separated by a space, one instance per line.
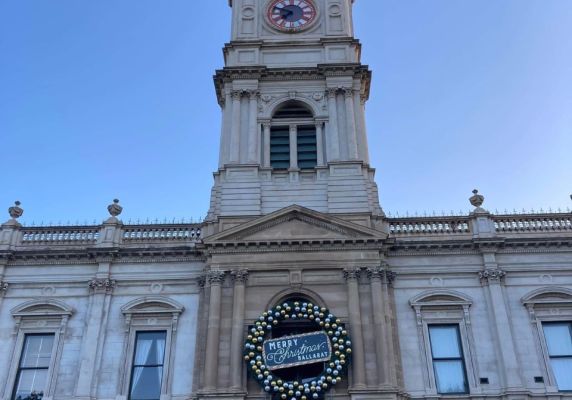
x=280 y=147
x=307 y=158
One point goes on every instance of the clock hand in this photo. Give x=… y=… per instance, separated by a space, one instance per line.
x=284 y=12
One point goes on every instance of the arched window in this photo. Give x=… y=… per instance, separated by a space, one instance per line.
x=293 y=137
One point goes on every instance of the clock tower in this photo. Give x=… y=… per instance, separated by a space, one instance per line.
x=293 y=95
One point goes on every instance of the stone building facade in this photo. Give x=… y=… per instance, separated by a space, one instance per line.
x=470 y=306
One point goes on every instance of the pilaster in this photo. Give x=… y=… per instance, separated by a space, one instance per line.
x=380 y=280
x=356 y=333
x=234 y=157
x=351 y=124
x=253 y=131
x=492 y=278
x=332 y=131
x=215 y=279
x=239 y=278
x=101 y=288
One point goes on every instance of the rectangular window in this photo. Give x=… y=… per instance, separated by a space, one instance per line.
x=448 y=363
x=147 y=370
x=307 y=151
x=33 y=368
x=280 y=147
x=559 y=341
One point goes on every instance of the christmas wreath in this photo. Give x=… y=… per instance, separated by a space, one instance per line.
x=312 y=387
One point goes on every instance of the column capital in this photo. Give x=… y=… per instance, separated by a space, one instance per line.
x=236 y=94
x=348 y=92
x=381 y=274
x=102 y=285
x=215 y=277
x=252 y=94
x=266 y=123
x=490 y=275
x=352 y=273
x=3 y=288
x=239 y=276
x=332 y=92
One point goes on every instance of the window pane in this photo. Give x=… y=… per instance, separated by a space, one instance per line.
x=558 y=339
x=450 y=377
x=562 y=369
x=37 y=351
x=445 y=341
x=146 y=383
x=29 y=381
x=150 y=348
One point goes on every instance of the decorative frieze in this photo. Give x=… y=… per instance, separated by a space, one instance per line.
x=491 y=276
x=106 y=285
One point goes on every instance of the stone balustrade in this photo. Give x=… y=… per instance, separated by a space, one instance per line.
x=533 y=223
x=162 y=233
x=85 y=236
x=421 y=226
x=443 y=227
x=59 y=235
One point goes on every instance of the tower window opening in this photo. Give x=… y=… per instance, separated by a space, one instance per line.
x=290 y=115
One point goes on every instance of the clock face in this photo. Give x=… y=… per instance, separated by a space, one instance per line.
x=291 y=15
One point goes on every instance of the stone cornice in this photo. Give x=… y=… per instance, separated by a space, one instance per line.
x=96 y=255
x=403 y=246
x=263 y=74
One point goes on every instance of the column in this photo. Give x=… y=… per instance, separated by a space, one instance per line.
x=320 y=143
x=215 y=279
x=226 y=105
x=234 y=156
x=101 y=288
x=253 y=127
x=266 y=126
x=351 y=124
x=361 y=128
x=3 y=285
x=385 y=359
x=391 y=362
x=237 y=339
x=332 y=135
x=492 y=278
x=293 y=147
x=356 y=335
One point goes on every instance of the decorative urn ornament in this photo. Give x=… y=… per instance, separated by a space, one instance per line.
x=328 y=344
x=16 y=211
x=115 y=209
x=477 y=199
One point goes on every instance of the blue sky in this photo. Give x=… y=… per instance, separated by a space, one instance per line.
x=107 y=98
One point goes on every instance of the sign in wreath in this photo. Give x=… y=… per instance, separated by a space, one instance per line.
x=329 y=344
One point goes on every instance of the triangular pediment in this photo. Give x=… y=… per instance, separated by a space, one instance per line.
x=295 y=223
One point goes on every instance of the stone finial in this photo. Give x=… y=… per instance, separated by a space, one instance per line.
x=16 y=211
x=115 y=209
x=477 y=199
